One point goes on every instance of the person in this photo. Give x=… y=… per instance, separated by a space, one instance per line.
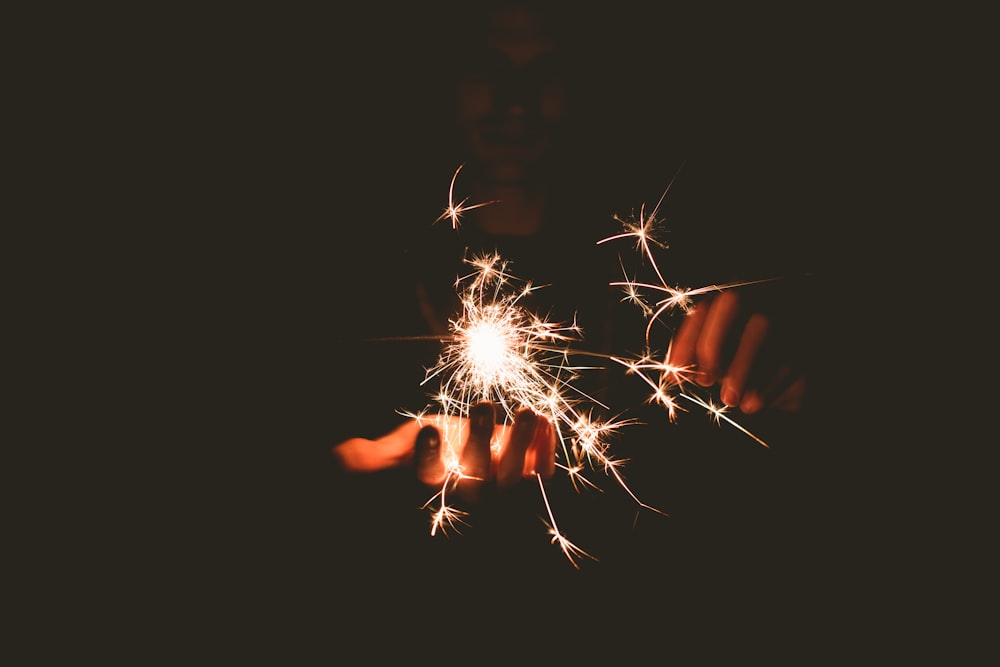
x=350 y=286
x=521 y=173
x=335 y=275
x=513 y=120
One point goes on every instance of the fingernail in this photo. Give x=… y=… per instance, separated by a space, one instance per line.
x=512 y=457
x=482 y=416
x=729 y=396
x=428 y=440
x=430 y=468
x=524 y=425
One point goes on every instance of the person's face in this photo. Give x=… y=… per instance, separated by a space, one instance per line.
x=512 y=98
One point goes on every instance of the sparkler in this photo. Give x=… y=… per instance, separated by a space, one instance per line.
x=454 y=211
x=499 y=351
x=667 y=381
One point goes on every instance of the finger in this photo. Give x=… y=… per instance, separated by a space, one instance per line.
x=430 y=467
x=747 y=354
x=521 y=437
x=540 y=458
x=476 y=453
x=681 y=353
x=709 y=348
x=391 y=450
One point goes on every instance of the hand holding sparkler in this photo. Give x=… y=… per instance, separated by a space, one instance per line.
x=458 y=454
x=721 y=340
x=489 y=452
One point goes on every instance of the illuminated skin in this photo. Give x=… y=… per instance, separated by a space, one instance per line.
x=699 y=342
x=439 y=446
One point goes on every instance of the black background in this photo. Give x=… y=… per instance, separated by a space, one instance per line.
x=230 y=161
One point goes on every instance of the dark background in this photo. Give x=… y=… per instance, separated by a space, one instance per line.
x=236 y=161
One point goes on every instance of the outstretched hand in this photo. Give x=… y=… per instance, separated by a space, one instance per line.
x=473 y=452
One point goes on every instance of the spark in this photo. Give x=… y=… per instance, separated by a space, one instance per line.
x=454 y=211
x=445 y=517
x=666 y=381
x=570 y=550
x=719 y=413
x=677 y=297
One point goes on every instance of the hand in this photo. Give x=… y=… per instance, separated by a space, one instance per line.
x=474 y=451
x=723 y=341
